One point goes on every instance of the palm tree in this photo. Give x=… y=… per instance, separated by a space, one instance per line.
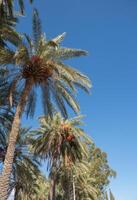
x=39 y=63
x=25 y=170
x=60 y=141
x=26 y=179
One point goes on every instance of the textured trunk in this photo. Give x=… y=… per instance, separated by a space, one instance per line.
x=52 y=192
x=7 y=169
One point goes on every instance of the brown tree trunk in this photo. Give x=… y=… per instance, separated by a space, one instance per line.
x=8 y=162
x=52 y=192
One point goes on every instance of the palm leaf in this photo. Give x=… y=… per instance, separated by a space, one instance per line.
x=36 y=28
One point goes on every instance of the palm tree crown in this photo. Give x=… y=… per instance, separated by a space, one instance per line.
x=40 y=63
x=60 y=140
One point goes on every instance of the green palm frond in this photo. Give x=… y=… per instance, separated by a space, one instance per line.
x=37 y=32
x=59 y=38
x=21 y=55
x=8 y=6
x=66 y=53
x=31 y=103
x=7 y=56
x=21 y=5
x=25 y=167
x=8 y=34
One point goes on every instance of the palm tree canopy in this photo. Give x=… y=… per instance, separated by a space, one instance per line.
x=59 y=140
x=40 y=62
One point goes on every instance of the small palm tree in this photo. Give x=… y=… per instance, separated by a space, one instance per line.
x=60 y=141
x=39 y=63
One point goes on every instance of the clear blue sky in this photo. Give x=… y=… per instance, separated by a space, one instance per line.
x=108 y=30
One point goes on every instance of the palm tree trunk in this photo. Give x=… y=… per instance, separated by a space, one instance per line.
x=8 y=162
x=52 y=192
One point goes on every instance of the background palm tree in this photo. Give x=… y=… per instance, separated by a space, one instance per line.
x=61 y=142
x=25 y=171
x=39 y=64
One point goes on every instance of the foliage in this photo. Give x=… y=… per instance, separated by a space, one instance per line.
x=25 y=167
x=59 y=140
x=72 y=157
x=41 y=62
x=99 y=168
x=8 y=34
x=8 y=7
x=91 y=175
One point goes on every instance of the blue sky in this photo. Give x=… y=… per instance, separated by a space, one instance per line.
x=108 y=30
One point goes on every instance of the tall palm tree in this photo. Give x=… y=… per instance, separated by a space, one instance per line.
x=39 y=63
x=59 y=141
x=25 y=170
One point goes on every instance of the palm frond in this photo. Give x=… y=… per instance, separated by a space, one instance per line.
x=7 y=56
x=21 y=6
x=59 y=38
x=36 y=28
x=31 y=103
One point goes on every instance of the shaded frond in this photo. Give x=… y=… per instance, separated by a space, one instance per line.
x=36 y=28
x=6 y=56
